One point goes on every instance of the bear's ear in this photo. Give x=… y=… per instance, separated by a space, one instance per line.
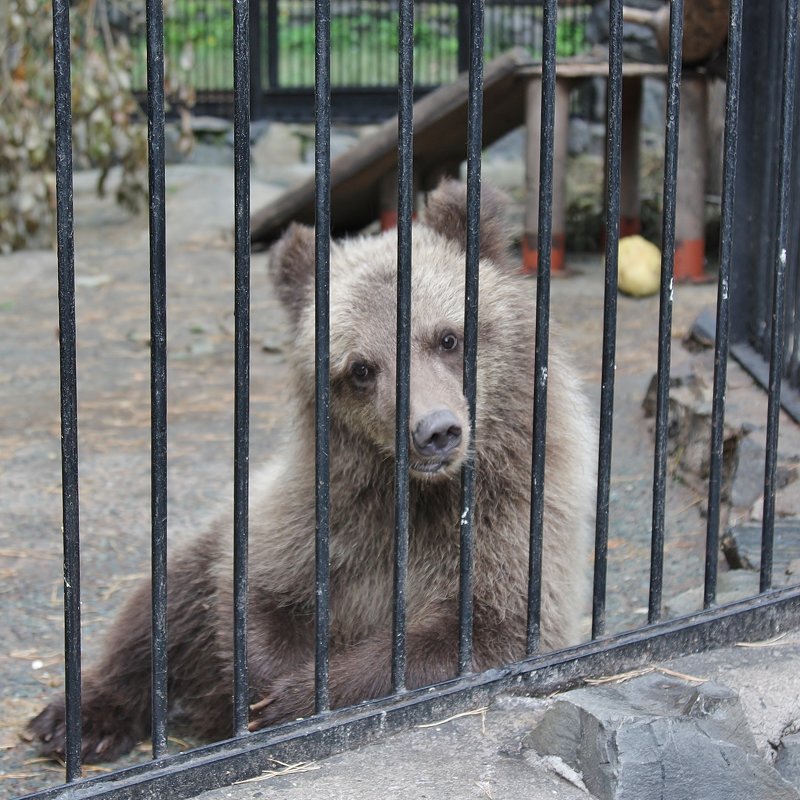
x=446 y=213
x=291 y=267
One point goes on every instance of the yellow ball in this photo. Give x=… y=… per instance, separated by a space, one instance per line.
x=639 y=266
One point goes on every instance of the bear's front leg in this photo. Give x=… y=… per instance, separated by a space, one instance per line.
x=107 y=729
x=115 y=695
x=362 y=671
x=116 y=692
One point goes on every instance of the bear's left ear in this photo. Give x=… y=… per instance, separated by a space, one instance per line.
x=446 y=213
x=291 y=267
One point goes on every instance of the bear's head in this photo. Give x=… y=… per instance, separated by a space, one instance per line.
x=363 y=327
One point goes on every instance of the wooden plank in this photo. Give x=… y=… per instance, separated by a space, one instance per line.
x=592 y=69
x=440 y=135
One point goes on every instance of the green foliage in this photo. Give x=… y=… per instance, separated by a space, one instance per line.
x=108 y=128
x=364 y=49
x=199 y=22
x=363 y=44
x=570 y=37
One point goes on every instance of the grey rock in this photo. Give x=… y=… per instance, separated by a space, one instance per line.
x=654 y=102
x=472 y=757
x=172 y=150
x=787 y=760
x=278 y=146
x=580 y=136
x=204 y=125
x=689 y=421
x=658 y=736
x=510 y=147
x=742 y=544
x=748 y=481
x=735 y=584
x=787 y=500
x=639 y=42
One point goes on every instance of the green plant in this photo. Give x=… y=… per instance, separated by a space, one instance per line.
x=108 y=127
x=107 y=124
x=570 y=37
x=200 y=22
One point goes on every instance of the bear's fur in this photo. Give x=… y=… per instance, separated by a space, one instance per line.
x=116 y=693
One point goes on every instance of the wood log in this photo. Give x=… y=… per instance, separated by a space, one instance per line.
x=705 y=27
x=440 y=125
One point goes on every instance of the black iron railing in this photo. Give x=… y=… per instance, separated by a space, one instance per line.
x=765 y=279
x=327 y=732
x=69 y=386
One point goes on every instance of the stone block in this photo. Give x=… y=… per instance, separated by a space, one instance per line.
x=787 y=759
x=742 y=546
x=659 y=736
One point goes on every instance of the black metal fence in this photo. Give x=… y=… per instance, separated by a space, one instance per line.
x=364 y=43
x=769 y=225
x=246 y=754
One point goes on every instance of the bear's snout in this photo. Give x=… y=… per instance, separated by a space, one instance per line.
x=437 y=434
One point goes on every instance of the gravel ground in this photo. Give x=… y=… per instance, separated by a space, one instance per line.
x=112 y=318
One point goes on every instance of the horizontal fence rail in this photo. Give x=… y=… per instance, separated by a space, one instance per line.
x=330 y=729
x=188 y=774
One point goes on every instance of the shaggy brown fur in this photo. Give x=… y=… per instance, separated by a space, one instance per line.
x=116 y=692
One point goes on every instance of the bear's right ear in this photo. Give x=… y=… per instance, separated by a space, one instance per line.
x=446 y=213
x=291 y=267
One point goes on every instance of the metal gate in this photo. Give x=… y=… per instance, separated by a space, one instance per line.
x=363 y=43
x=766 y=321
x=326 y=732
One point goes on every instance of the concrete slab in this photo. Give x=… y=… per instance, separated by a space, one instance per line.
x=489 y=754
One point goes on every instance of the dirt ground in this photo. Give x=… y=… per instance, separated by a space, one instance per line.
x=113 y=368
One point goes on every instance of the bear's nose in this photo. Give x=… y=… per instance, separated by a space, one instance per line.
x=437 y=434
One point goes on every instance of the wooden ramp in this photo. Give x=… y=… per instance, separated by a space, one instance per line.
x=440 y=142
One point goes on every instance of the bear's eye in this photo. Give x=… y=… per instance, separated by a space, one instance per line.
x=449 y=341
x=361 y=373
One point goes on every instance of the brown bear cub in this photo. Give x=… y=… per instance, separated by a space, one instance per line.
x=116 y=692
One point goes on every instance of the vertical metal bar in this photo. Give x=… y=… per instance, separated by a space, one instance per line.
x=613 y=159
x=723 y=300
x=779 y=292
x=322 y=172
x=542 y=322
x=665 y=308
x=771 y=199
x=69 y=387
x=405 y=209
x=241 y=459
x=474 y=141
x=158 y=368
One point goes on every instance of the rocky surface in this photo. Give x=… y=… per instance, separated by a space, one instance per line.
x=659 y=736
x=712 y=726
